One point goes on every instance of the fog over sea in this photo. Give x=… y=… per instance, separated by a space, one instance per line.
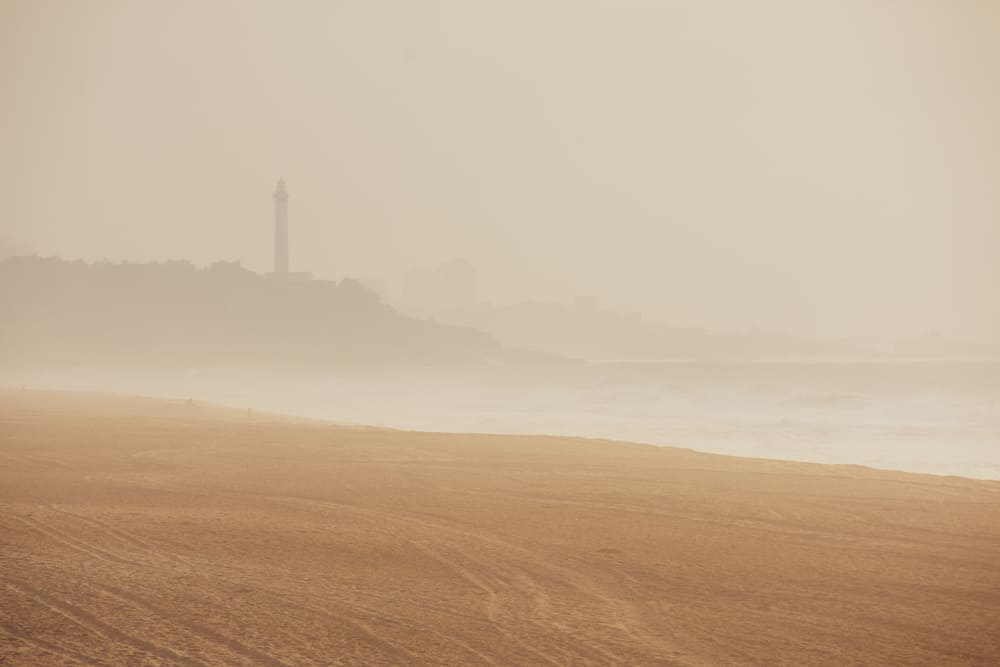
x=940 y=417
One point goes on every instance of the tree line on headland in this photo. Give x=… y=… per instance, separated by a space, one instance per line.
x=59 y=313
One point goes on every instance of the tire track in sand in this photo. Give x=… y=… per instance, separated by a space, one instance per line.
x=369 y=633
x=200 y=631
x=49 y=646
x=626 y=620
x=206 y=634
x=454 y=641
x=487 y=576
x=491 y=576
x=93 y=624
x=60 y=537
x=124 y=536
x=492 y=599
x=375 y=614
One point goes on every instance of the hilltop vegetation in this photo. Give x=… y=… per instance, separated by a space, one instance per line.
x=59 y=312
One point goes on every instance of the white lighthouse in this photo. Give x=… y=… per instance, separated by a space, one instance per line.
x=282 y=267
x=281 y=229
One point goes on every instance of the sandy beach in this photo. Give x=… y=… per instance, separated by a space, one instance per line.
x=141 y=531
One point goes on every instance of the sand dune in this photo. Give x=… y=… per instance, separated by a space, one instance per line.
x=146 y=532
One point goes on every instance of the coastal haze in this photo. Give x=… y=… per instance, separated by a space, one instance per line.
x=824 y=169
x=266 y=266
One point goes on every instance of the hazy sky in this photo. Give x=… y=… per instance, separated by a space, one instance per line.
x=820 y=167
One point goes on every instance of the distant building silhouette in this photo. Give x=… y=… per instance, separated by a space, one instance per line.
x=450 y=286
x=281 y=262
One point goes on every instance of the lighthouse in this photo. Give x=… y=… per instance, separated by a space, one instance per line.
x=281 y=229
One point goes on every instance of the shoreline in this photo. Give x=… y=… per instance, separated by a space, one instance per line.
x=143 y=528
x=307 y=416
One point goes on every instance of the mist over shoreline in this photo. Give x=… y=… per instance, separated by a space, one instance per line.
x=336 y=351
x=929 y=417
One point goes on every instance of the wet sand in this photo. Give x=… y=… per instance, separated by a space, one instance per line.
x=153 y=532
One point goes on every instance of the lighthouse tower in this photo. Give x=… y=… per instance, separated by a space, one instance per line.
x=281 y=229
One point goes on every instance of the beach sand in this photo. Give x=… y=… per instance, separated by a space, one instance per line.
x=153 y=532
